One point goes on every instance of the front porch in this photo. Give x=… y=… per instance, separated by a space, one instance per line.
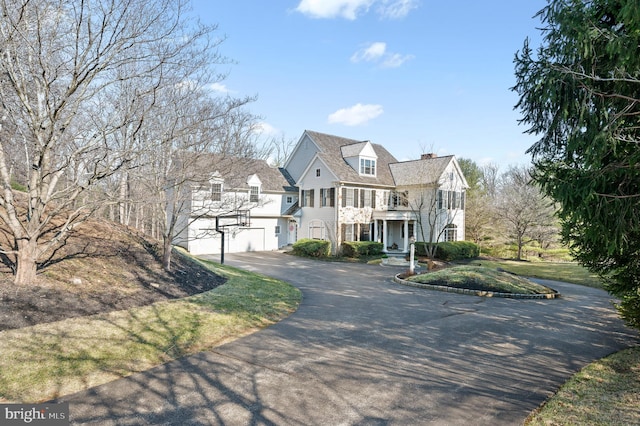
x=394 y=230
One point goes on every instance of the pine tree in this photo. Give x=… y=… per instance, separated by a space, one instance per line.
x=580 y=92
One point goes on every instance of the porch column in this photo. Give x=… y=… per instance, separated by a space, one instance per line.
x=406 y=235
x=384 y=236
x=375 y=230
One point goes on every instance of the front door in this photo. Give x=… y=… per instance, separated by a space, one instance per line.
x=292 y=231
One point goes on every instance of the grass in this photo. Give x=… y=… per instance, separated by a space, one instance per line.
x=46 y=361
x=480 y=278
x=606 y=392
x=559 y=271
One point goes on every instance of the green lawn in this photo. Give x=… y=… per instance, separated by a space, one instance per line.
x=605 y=393
x=49 y=360
x=559 y=271
x=480 y=278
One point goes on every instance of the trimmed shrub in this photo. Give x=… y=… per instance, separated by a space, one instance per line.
x=421 y=248
x=312 y=248
x=456 y=250
x=361 y=248
x=449 y=251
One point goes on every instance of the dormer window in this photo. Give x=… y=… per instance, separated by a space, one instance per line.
x=367 y=167
x=254 y=184
x=254 y=194
x=216 y=191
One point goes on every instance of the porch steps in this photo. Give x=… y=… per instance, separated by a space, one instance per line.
x=397 y=259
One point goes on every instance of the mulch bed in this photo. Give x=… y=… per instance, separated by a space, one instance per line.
x=102 y=267
x=23 y=306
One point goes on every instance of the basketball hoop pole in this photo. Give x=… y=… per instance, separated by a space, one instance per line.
x=221 y=240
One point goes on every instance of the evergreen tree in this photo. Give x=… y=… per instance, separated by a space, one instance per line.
x=580 y=92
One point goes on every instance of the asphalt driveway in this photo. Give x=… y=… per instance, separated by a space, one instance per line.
x=362 y=350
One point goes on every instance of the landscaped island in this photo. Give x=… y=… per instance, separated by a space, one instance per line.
x=478 y=280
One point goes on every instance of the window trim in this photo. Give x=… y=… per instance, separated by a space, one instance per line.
x=216 y=195
x=327 y=197
x=254 y=193
x=450 y=233
x=307 y=198
x=367 y=167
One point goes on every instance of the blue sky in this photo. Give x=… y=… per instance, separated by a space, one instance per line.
x=413 y=75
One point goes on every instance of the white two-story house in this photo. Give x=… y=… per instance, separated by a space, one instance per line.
x=330 y=188
x=357 y=191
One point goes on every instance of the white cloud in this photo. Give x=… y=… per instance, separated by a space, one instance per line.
x=347 y=9
x=396 y=9
x=219 y=87
x=377 y=52
x=350 y=9
x=356 y=115
x=266 y=129
x=372 y=52
x=395 y=60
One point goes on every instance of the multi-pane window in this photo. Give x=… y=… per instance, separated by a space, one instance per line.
x=348 y=197
x=216 y=192
x=327 y=197
x=289 y=199
x=398 y=199
x=450 y=233
x=317 y=172
x=367 y=167
x=347 y=232
x=450 y=199
x=307 y=198
x=365 y=198
x=277 y=229
x=254 y=194
x=356 y=232
x=358 y=197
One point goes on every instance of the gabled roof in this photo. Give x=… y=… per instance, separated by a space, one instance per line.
x=235 y=171
x=331 y=152
x=420 y=172
x=352 y=150
x=292 y=183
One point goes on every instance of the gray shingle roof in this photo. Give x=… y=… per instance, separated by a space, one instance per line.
x=331 y=152
x=425 y=171
x=236 y=170
x=352 y=150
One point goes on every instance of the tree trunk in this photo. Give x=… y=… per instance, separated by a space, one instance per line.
x=26 y=262
x=519 y=248
x=166 y=253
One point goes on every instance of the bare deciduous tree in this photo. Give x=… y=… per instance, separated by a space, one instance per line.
x=59 y=61
x=522 y=207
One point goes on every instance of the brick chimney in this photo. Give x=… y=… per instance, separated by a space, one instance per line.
x=428 y=156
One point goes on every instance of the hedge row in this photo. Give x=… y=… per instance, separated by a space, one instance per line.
x=312 y=248
x=361 y=248
x=451 y=250
x=447 y=251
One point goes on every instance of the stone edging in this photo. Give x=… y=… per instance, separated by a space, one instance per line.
x=481 y=293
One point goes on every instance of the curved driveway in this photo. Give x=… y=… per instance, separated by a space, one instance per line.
x=362 y=350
